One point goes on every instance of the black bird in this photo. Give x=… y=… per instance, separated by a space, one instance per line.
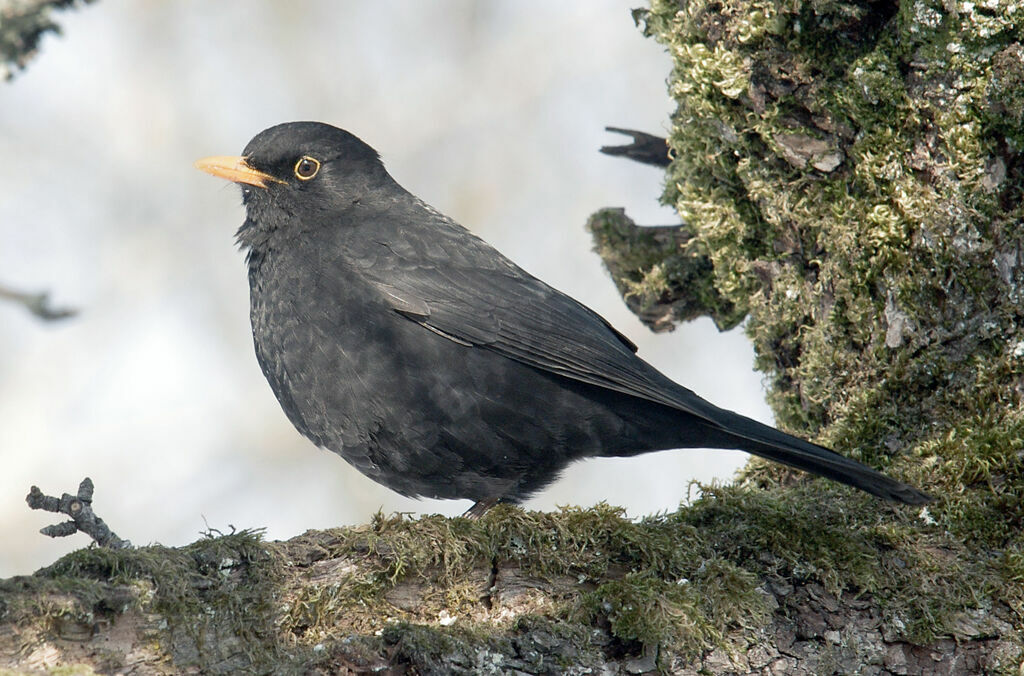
x=396 y=338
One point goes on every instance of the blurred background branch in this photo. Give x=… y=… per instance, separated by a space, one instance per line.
x=36 y=303
x=22 y=24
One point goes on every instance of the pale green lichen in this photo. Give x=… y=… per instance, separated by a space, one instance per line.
x=882 y=292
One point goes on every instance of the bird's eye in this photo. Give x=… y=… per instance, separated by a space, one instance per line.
x=306 y=168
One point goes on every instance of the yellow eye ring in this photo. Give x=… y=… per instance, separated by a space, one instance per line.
x=306 y=168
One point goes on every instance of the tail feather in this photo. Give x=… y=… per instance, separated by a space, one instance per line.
x=770 y=443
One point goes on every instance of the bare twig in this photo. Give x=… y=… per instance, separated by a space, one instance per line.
x=79 y=508
x=37 y=303
x=645 y=148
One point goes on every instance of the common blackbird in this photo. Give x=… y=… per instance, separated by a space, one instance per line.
x=396 y=338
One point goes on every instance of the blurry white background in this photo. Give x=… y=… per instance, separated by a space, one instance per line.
x=490 y=111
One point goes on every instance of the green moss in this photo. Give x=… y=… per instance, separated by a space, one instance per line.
x=680 y=580
x=684 y=582
x=812 y=533
x=684 y=615
x=651 y=580
x=860 y=203
x=216 y=595
x=660 y=280
x=818 y=258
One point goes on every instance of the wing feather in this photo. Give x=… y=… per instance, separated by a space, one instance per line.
x=506 y=310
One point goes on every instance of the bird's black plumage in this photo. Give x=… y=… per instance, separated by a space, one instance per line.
x=394 y=337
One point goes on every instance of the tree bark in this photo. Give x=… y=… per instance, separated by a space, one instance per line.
x=714 y=588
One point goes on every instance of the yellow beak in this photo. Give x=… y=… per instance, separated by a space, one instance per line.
x=235 y=169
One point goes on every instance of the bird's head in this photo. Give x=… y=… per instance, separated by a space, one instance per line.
x=292 y=175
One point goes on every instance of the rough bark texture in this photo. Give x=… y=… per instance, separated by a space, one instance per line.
x=736 y=584
x=850 y=178
x=852 y=174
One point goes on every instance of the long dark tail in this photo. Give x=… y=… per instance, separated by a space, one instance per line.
x=731 y=430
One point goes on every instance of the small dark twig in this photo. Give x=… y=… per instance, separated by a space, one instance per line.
x=645 y=148
x=210 y=533
x=79 y=508
x=38 y=304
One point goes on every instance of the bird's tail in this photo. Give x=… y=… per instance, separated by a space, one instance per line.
x=732 y=430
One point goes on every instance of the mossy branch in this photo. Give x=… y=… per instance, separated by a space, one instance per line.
x=662 y=282
x=812 y=577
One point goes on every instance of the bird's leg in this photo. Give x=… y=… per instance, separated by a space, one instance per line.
x=480 y=508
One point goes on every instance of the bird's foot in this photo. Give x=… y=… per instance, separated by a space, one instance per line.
x=480 y=508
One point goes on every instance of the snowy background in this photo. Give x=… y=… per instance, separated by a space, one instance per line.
x=490 y=111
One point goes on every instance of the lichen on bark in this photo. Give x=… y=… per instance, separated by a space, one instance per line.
x=853 y=173
x=848 y=170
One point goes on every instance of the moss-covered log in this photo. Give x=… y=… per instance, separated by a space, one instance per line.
x=808 y=579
